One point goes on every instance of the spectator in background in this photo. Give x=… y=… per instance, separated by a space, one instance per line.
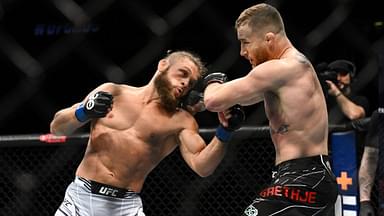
x=344 y=104
x=347 y=107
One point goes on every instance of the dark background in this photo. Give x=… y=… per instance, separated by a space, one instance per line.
x=53 y=53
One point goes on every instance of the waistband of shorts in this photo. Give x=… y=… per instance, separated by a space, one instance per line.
x=304 y=162
x=104 y=189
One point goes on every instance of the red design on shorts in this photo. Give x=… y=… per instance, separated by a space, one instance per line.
x=292 y=193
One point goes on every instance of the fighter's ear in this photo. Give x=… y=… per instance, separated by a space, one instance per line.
x=269 y=36
x=163 y=65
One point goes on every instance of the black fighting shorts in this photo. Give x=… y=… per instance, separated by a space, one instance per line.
x=304 y=186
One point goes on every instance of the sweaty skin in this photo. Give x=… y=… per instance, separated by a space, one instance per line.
x=298 y=127
x=138 y=133
x=286 y=82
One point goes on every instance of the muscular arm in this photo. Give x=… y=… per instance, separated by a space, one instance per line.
x=202 y=158
x=367 y=172
x=218 y=97
x=65 y=122
x=246 y=90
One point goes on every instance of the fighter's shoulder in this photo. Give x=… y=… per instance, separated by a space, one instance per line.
x=186 y=119
x=294 y=64
x=116 y=88
x=274 y=68
x=108 y=86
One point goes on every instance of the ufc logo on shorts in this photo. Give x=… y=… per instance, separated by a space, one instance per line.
x=108 y=191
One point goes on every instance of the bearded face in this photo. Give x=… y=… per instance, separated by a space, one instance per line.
x=164 y=89
x=261 y=55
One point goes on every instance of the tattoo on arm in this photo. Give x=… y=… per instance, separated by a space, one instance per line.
x=367 y=172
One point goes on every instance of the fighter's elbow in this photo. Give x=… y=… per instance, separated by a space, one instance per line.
x=357 y=114
x=204 y=173
x=54 y=129
x=59 y=129
x=202 y=170
x=211 y=104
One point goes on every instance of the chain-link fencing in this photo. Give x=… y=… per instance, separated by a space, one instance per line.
x=36 y=169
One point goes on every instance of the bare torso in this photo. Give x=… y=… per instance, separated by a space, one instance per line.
x=297 y=112
x=131 y=140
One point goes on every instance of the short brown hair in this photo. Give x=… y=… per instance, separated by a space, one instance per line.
x=261 y=17
x=195 y=58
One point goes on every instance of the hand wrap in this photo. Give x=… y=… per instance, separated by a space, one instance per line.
x=236 y=120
